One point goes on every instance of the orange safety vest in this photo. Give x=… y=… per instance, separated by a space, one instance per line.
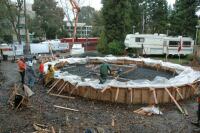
x=21 y=66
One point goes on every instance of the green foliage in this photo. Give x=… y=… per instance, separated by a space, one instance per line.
x=86 y=14
x=183 y=19
x=49 y=18
x=116 y=48
x=116 y=19
x=97 y=24
x=102 y=46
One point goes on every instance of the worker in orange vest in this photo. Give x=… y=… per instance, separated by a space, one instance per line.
x=198 y=113
x=41 y=72
x=21 y=68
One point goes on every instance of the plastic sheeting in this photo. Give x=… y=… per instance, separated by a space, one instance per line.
x=186 y=75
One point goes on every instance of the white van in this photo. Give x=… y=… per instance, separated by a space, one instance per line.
x=77 y=49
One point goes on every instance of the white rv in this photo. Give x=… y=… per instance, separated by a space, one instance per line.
x=154 y=44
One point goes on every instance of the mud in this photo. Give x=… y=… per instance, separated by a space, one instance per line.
x=92 y=114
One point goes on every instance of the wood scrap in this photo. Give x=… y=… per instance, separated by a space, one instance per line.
x=40 y=129
x=61 y=96
x=52 y=130
x=179 y=107
x=70 y=109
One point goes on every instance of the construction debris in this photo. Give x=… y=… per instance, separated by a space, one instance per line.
x=70 y=109
x=148 y=111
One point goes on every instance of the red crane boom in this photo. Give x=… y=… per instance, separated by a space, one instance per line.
x=76 y=10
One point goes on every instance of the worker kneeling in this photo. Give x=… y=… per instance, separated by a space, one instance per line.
x=104 y=68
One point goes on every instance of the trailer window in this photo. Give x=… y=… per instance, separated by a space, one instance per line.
x=186 y=44
x=139 y=39
x=173 y=43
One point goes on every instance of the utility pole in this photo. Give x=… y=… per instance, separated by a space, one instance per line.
x=26 y=31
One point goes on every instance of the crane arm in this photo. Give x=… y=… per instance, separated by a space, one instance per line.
x=76 y=10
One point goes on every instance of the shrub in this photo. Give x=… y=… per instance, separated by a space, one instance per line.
x=102 y=44
x=116 y=48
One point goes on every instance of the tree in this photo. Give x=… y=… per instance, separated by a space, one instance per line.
x=136 y=14
x=183 y=18
x=10 y=14
x=116 y=19
x=86 y=14
x=97 y=23
x=49 y=18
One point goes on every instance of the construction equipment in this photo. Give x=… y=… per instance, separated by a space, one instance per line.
x=76 y=10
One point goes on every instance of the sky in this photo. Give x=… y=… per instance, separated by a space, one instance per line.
x=95 y=3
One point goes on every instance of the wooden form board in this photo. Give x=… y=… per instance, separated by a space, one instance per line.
x=129 y=95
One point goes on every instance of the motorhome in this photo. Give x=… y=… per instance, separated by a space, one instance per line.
x=158 y=44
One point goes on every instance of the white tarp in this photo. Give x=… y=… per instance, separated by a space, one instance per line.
x=186 y=75
x=37 y=48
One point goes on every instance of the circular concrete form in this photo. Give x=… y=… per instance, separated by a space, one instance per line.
x=180 y=83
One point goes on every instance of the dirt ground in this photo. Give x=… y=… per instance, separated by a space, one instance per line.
x=92 y=114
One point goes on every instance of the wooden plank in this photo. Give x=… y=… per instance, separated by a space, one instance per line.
x=117 y=94
x=179 y=107
x=53 y=85
x=61 y=96
x=70 y=109
x=179 y=93
x=62 y=88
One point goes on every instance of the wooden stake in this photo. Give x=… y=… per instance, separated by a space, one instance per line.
x=62 y=89
x=117 y=94
x=179 y=107
x=53 y=86
x=177 y=89
x=20 y=103
x=61 y=86
x=104 y=89
x=154 y=95
x=131 y=97
x=57 y=95
x=52 y=130
x=60 y=107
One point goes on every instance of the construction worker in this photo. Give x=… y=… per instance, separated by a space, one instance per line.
x=104 y=68
x=50 y=74
x=41 y=72
x=30 y=74
x=198 y=113
x=21 y=68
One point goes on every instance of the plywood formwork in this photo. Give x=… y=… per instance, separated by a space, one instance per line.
x=129 y=95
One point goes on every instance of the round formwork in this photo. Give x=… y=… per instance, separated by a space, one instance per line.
x=130 y=94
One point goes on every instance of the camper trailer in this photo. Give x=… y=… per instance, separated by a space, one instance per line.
x=158 y=44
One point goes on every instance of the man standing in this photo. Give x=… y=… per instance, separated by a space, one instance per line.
x=104 y=68
x=41 y=72
x=21 y=68
x=198 y=113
